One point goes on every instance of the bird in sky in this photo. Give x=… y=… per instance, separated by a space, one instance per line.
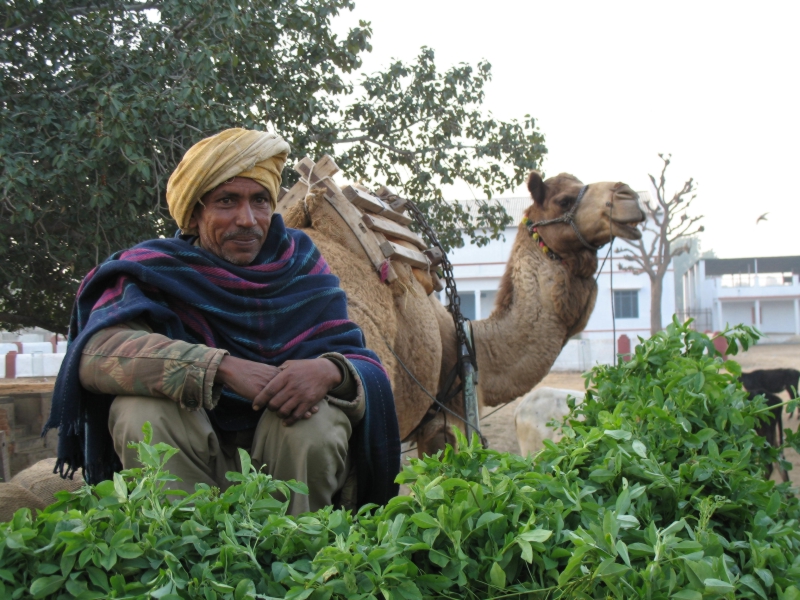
x=762 y=218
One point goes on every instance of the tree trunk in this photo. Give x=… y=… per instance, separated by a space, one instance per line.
x=656 y=289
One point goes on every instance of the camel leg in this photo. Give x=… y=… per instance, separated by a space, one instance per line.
x=437 y=433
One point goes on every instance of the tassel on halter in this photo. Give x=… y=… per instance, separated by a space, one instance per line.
x=384 y=271
x=531 y=227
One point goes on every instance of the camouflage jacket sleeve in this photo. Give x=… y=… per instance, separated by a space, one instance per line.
x=129 y=359
x=349 y=395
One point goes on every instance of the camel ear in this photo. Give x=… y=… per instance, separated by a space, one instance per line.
x=536 y=187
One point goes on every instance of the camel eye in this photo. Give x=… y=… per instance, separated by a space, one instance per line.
x=565 y=202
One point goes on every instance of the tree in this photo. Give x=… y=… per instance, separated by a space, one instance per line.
x=667 y=233
x=100 y=99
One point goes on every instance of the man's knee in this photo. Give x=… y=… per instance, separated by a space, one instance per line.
x=322 y=437
x=314 y=442
x=128 y=414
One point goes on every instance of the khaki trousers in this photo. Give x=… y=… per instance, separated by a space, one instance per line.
x=313 y=450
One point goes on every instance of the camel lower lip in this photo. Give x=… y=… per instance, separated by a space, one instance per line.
x=630 y=229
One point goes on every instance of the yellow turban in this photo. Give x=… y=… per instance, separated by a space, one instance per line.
x=232 y=153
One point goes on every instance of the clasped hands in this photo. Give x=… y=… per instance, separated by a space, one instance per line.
x=292 y=390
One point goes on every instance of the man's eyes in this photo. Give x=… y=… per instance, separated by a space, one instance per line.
x=227 y=200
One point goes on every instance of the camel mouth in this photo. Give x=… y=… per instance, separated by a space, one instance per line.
x=626 y=230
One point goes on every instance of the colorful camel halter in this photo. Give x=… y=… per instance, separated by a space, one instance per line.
x=529 y=225
x=567 y=217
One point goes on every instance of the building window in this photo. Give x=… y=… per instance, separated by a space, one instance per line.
x=488 y=298
x=626 y=304
x=468 y=304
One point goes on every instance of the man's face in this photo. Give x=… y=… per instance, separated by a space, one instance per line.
x=233 y=220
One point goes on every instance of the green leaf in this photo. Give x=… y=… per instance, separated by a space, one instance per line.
x=221 y=587
x=424 y=520
x=618 y=434
x=766 y=576
x=435 y=493
x=105 y=489
x=609 y=568
x=244 y=459
x=639 y=448
x=147 y=431
x=686 y=595
x=120 y=537
x=487 y=518
x=537 y=535
x=774 y=504
x=298 y=593
x=245 y=589
x=527 y=550
x=622 y=550
x=129 y=551
x=753 y=584
x=44 y=586
x=120 y=487
x=717 y=586
x=497 y=576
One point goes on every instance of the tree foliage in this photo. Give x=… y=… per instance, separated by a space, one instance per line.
x=668 y=233
x=100 y=99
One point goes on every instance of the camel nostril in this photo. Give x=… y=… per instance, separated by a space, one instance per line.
x=626 y=195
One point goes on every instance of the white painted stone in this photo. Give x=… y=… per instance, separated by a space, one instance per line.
x=537 y=408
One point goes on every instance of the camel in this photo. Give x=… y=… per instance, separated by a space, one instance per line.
x=546 y=296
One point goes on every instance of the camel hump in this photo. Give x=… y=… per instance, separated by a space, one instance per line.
x=376 y=220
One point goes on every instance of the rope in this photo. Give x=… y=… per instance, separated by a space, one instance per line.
x=569 y=217
x=308 y=191
x=427 y=393
x=600 y=271
x=507 y=404
x=611 y=285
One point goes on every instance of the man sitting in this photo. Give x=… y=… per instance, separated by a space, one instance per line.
x=234 y=334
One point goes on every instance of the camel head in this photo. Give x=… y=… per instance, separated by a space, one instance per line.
x=605 y=210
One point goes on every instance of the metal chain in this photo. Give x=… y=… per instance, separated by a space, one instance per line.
x=453 y=299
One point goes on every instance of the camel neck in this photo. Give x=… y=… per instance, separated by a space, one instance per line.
x=540 y=305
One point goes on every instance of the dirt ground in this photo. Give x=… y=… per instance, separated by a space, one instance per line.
x=499 y=427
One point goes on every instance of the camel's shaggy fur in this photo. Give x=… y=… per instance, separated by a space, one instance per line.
x=541 y=303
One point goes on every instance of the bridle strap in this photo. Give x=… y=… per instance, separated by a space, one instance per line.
x=569 y=217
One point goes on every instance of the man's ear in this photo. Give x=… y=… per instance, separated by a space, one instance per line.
x=198 y=208
x=536 y=187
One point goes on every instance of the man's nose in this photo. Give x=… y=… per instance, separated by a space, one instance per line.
x=245 y=216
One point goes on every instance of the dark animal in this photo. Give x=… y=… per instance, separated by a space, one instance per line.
x=772 y=430
x=773 y=381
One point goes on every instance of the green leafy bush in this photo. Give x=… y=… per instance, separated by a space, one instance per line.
x=656 y=493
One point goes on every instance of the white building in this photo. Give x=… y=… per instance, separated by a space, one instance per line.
x=764 y=292
x=478 y=271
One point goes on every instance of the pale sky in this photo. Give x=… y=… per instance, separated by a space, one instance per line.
x=612 y=84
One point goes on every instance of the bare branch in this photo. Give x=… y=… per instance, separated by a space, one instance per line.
x=681 y=230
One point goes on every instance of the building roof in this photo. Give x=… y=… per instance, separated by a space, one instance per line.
x=740 y=266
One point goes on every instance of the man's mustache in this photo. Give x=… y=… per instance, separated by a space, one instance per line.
x=243 y=233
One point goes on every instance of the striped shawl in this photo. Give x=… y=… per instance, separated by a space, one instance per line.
x=287 y=305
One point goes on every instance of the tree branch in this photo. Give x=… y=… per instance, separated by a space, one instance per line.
x=409 y=153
